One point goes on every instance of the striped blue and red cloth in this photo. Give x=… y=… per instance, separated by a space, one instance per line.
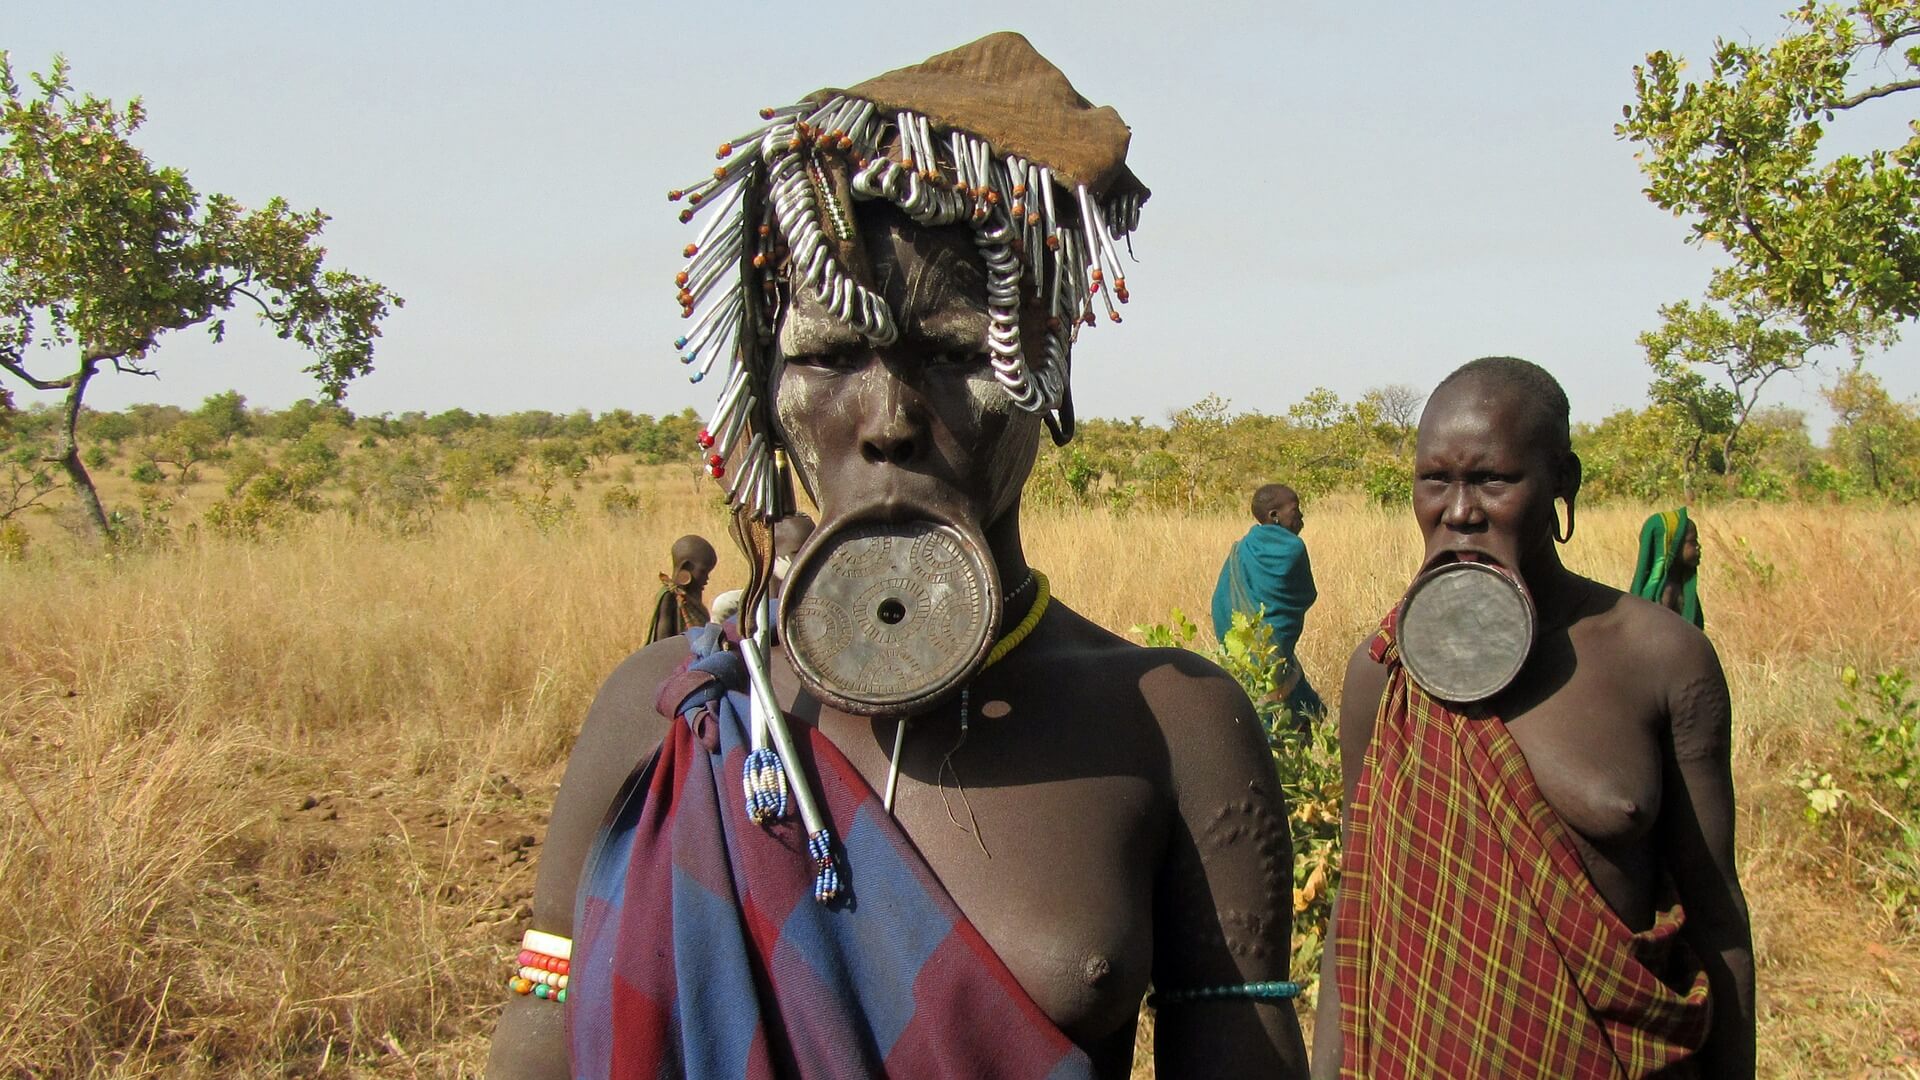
x=699 y=950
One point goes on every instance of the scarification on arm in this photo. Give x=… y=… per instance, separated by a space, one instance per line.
x=1703 y=719
x=1243 y=833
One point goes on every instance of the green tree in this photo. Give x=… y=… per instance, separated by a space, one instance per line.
x=24 y=479
x=188 y=444
x=1834 y=239
x=1876 y=438
x=1712 y=361
x=102 y=252
x=226 y=413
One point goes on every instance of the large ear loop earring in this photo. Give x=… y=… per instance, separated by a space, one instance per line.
x=1568 y=535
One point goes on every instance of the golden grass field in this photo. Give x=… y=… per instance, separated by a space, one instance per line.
x=271 y=808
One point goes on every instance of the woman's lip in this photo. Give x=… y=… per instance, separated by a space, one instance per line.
x=1462 y=555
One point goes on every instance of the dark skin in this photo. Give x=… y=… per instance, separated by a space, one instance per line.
x=1129 y=824
x=1278 y=504
x=1686 y=563
x=1622 y=709
x=693 y=563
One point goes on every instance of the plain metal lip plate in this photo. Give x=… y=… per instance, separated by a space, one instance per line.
x=1465 y=631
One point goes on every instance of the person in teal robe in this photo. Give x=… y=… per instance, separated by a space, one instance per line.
x=1668 y=570
x=1268 y=573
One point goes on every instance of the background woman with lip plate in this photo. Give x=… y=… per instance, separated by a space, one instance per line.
x=1539 y=883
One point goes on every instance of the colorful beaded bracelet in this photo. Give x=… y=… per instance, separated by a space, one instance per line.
x=1254 y=991
x=542 y=966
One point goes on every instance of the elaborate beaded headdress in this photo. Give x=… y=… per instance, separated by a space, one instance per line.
x=990 y=135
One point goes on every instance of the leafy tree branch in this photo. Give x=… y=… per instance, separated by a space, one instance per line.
x=1828 y=238
x=102 y=253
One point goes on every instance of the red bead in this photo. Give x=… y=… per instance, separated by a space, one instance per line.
x=717 y=471
x=715 y=460
x=705 y=439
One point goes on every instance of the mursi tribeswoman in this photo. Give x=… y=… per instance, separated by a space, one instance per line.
x=680 y=606
x=1667 y=571
x=1541 y=883
x=1268 y=574
x=913 y=816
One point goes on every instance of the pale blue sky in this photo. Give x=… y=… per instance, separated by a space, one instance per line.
x=1344 y=195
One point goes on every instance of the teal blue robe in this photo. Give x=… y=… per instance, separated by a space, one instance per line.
x=1268 y=572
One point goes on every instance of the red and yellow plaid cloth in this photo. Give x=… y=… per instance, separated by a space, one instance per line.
x=1469 y=940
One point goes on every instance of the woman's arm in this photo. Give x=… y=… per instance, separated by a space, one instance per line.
x=621 y=730
x=1223 y=906
x=1696 y=832
x=1359 y=704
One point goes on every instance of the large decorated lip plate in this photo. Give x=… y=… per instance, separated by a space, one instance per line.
x=884 y=619
x=1465 y=630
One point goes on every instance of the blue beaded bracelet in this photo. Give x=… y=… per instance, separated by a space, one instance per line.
x=1253 y=991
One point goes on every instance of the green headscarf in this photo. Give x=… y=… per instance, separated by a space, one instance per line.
x=1660 y=541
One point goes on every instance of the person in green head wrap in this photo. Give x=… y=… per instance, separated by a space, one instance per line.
x=1668 y=570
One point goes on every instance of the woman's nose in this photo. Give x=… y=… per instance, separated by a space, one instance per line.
x=1462 y=510
x=893 y=426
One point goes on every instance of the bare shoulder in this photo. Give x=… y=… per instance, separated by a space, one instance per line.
x=1188 y=697
x=1662 y=649
x=1194 y=715
x=1678 y=667
x=1360 y=692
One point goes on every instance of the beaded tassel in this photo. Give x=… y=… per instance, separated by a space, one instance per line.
x=765 y=780
x=826 y=878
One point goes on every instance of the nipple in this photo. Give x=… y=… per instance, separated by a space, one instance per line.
x=1096 y=972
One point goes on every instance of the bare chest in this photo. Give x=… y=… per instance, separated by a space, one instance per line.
x=1592 y=745
x=1047 y=842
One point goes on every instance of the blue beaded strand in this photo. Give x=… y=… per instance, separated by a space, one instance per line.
x=1254 y=991
x=765 y=780
x=826 y=881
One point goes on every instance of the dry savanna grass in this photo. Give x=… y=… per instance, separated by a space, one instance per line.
x=271 y=807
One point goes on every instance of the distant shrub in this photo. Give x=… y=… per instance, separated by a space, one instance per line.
x=13 y=541
x=621 y=501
